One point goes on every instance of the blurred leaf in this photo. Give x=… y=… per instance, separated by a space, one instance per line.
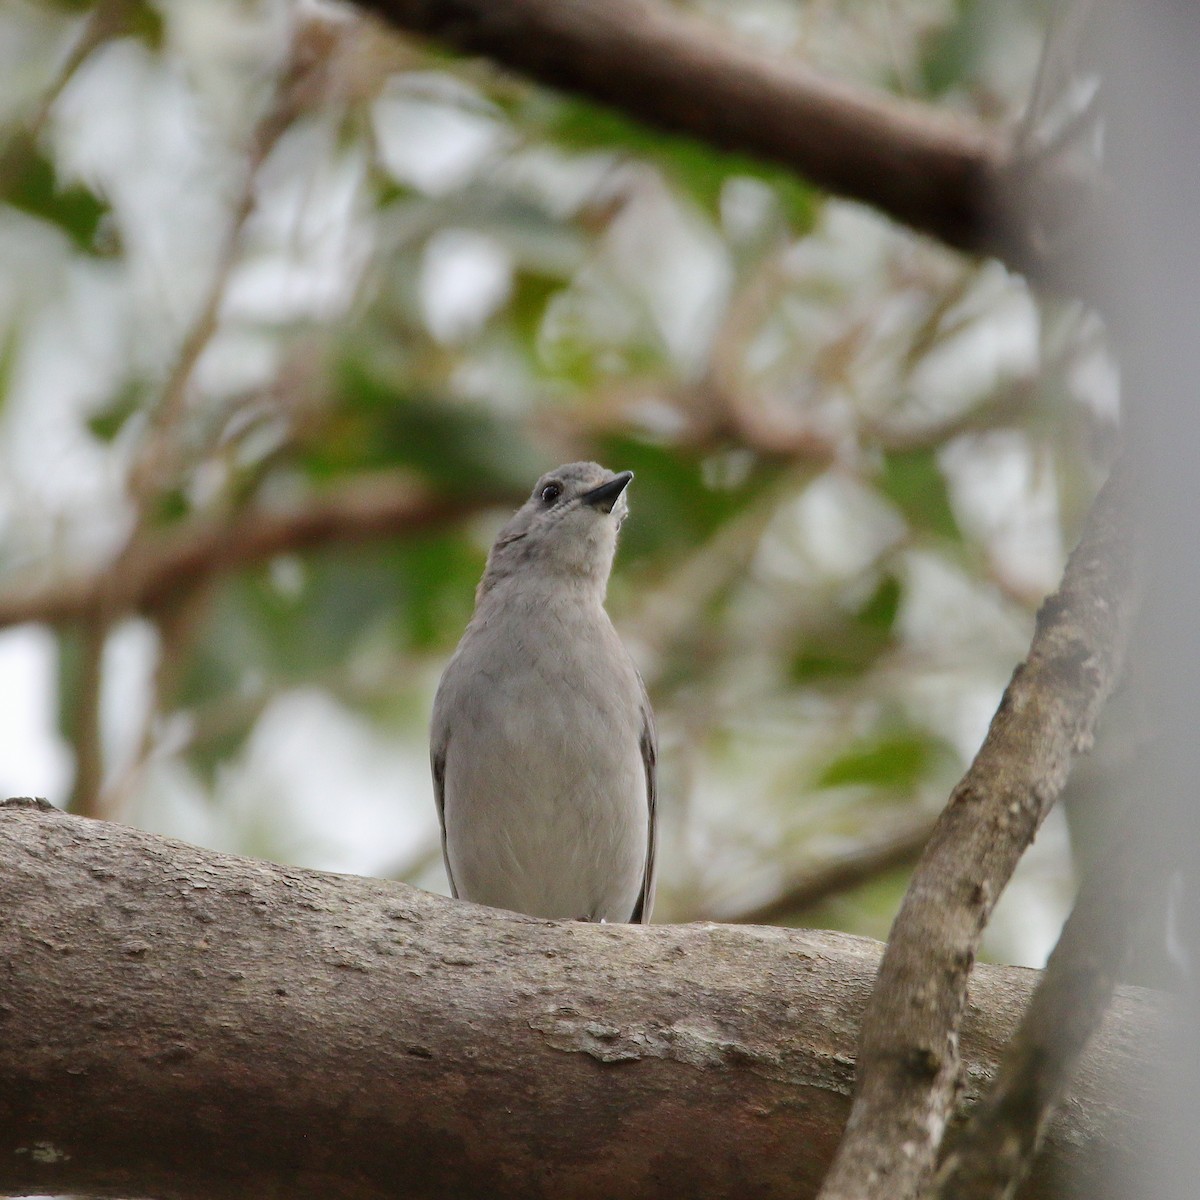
x=378 y=423
x=851 y=646
x=262 y=633
x=527 y=307
x=960 y=54
x=585 y=363
x=170 y=506
x=437 y=588
x=110 y=420
x=952 y=53
x=29 y=182
x=698 y=168
x=315 y=629
x=674 y=507
x=881 y=609
x=217 y=748
x=8 y=358
x=832 y=659
x=913 y=482
x=868 y=909
x=146 y=23
x=141 y=20
x=897 y=761
x=225 y=661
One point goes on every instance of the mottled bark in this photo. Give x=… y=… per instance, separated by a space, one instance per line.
x=996 y=1150
x=180 y=1023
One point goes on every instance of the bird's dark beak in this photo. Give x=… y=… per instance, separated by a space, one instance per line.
x=605 y=496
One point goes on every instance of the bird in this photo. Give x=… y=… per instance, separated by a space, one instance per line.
x=542 y=739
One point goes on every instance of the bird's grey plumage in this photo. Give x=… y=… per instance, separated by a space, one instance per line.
x=542 y=744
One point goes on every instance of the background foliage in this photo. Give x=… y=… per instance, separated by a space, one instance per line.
x=257 y=254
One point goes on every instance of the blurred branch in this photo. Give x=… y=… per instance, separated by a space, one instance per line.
x=950 y=177
x=86 y=739
x=276 y=1001
x=300 y=84
x=177 y=625
x=839 y=873
x=107 y=20
x=161 y=565
x=160 y=457
x=997 y=1149
x=908 y=1057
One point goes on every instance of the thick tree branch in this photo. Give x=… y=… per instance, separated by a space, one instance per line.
x=948 y=177
x=164 y=564
x=180 y=1023
x=909 y=1051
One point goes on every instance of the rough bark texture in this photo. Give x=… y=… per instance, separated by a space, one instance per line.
x=180 y=1023
x=950 y=178
x=909 y=1051
x=998 y=1145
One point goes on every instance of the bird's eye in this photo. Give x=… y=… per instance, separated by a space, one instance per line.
x=551 y=492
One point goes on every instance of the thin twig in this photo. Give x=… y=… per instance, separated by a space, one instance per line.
x=107 y=20
x=839 y=873
x=163 y=564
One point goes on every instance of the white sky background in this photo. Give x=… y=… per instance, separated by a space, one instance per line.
x=344 y=795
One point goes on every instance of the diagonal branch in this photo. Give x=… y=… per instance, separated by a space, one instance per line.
x=997 y=1149
x=909 y=1049
x=899 y=846
x=161 y=565
x=949 y=177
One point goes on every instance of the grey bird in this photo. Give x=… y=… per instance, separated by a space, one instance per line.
x=542 y=743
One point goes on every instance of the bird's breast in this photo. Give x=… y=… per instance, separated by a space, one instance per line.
x=546 y=800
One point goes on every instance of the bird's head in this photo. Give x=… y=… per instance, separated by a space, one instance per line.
x=566 y=530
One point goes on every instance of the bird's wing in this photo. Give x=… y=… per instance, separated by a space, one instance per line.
x=437 y=759
x=649 y=748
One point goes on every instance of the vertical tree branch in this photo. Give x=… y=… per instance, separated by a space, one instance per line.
x=159 y=462
x=909 y=1053
x=87 y=742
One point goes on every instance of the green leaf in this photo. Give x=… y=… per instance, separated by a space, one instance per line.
x=951 y=55
x=378 y=422
x=828 y=658
x=436 y=594
x=695 y=166
x=675 y=506
x=146 y=23
x=851 y=646
x=9 y=347
x=343 y=594
x=881 y=609
x=110 y=420
x=913 y=482
x=30 y=183
x=216 y=748
x=897 y=761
